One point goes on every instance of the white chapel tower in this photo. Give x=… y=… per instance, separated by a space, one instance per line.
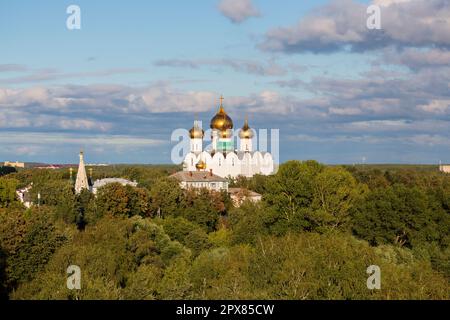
x=82 y=181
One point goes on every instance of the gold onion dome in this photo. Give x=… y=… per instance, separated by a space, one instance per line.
x=221 y=121
x=246 y=132
x=201 y=165
x=226 y=134
x=196 y=132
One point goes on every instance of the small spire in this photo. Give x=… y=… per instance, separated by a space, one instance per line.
x=221 y=100
x=246 y=126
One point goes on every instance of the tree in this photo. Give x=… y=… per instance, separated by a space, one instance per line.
x=290 y=193
x=8 y=192
x=398 y=215
x=7 y=170
x=29 y=239
x=118 y=200
x=3 y=276
x=336 y=193
x=247 y=222
x=58 y=194
x=222 y=273
x=200 y=207
x=333 y=266
x=83 y=201
x=118 y=256
x=186 y=232
x=166 y=197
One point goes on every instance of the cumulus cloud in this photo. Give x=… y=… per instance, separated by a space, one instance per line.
x=238 y=10
x=341 y=25
x=12 y=67
x=43 y=138
x=436 y=106
x=387 y=107
x=239 y=65
x=416 y=59
x=50 y=74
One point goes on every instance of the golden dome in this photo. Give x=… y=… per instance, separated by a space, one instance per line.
x=246 y=132
x=221 y=121
x=196 y=132
x=201 y=165
x=226 y=134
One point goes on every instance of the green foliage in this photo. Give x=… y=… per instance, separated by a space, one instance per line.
x=118 y=258
x=28 y=240
x=3 y=276
x=6 y=170
x=166 y=197
x=333 y=266
x=400 y=215
x=290 y=193
x=247 y=222
x=118 y=200
x=222 y=273
x=220 y=238
x=8 y=192
x=201 y=208
x=187 y=233
x=312 y=236
x=256 y=183
x=336 y=193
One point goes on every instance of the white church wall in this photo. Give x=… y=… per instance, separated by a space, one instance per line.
x=218 y=165
x=257 y=160
x=267 y=165
x=233 y=164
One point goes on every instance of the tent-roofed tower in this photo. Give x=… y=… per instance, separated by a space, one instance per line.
x=82 y=180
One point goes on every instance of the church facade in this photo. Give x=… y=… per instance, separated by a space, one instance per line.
x=223 y=159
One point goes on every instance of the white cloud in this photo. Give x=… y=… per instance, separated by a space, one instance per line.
x=416 y=59
x=341 y=25
x=387 y=3
x=239 y=65
x=238 y=10
x=37 y=139
x=436 y=106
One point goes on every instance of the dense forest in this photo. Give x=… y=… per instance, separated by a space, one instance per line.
x=312 y=236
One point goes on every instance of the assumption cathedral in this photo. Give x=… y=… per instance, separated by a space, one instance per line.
x=223 y=159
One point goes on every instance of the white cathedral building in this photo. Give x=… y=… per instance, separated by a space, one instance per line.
x=223 y=159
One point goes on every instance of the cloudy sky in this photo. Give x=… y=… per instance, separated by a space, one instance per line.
x=137 y=70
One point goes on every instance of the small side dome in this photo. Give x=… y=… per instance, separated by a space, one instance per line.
x=246 y=132
x=201 y=165
x=196 y=132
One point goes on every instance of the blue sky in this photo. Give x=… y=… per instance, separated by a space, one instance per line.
x=137 y=70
